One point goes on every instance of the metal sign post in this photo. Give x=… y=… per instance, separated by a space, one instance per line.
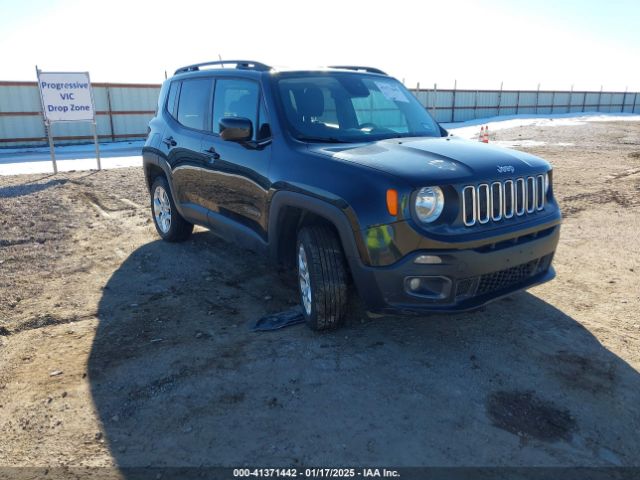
x=47 y=127
x=52 y=150
x=67 y=97
x=95 y=141
x=95 y=126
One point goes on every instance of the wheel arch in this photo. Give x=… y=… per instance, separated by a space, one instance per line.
x=155 y=165
x=291 y=210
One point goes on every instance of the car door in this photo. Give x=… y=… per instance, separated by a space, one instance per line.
x=237 y=172
x=190 y=118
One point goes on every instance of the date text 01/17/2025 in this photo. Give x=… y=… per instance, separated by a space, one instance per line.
x=315 y=473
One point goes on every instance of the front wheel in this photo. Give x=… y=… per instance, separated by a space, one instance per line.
x=171 y=226
x=322 y=277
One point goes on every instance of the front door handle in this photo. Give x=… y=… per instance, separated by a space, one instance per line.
x=212 y=153
x=169 y=142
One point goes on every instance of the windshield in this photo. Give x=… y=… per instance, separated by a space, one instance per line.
x=350 y=107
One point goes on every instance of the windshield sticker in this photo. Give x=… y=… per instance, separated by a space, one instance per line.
x=392 y=92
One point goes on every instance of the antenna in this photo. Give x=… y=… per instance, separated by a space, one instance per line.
x=220 y=58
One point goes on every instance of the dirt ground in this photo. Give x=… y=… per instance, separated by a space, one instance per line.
x=119 y=349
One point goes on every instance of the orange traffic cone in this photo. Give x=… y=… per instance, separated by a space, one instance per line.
x=485 y=138
x=481 y=136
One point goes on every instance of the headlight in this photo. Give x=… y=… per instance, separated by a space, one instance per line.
x=429 y=204
x=547 y=182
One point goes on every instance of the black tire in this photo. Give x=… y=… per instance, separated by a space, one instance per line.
x=327 y=275
x=179 y=229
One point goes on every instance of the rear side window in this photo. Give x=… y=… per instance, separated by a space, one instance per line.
x=235 y=98
x=194 y=102
x=171 y=98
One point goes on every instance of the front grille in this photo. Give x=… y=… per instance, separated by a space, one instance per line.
x=502 y=200
x=490 y=282
x=465 y=287
x=504 y=278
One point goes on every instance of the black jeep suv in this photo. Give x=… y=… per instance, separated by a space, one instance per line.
x=343 y=174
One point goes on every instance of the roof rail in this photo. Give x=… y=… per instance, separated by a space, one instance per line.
x=359 y=68
x=242 y=64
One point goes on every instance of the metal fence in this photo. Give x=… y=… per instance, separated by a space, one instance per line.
x=124 y=109
x=461 y=105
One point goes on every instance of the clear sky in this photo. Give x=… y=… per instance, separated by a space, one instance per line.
x=480 y=44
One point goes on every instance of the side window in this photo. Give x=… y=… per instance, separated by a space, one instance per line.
x=193 y=103
x=235 y=98
x=171 y=98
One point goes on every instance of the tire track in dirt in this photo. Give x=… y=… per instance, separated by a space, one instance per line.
x=576 y=203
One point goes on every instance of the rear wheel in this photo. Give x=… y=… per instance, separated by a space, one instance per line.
x=322 y=277
x=170 y=225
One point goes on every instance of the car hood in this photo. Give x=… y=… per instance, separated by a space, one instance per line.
x=421 y=161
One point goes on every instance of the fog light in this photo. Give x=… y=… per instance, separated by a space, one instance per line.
x=435 y=288
x=428 y=259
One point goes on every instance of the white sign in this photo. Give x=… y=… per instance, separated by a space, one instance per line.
x=66 y=97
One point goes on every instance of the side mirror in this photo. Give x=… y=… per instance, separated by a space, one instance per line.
x=236 y=129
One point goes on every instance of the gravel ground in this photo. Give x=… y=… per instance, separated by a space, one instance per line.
x=119 y=349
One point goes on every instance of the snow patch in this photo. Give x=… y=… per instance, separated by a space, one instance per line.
x=14 y=161
x=518 y=143
x=470 y=129
x=45 y=166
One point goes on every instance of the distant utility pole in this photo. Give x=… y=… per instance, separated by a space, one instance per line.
x=433 y=103
x=453 y=103
x=599 y=99
x=570 y=99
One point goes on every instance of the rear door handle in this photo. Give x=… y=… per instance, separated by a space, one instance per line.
x=212 y=153
x=169 y=142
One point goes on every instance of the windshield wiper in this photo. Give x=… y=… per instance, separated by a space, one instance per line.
x=407 y=135
x=308 y=138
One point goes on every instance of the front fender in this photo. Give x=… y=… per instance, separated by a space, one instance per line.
x=336 y=211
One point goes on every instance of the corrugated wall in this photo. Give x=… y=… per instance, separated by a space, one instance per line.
x=123 y=112
x=459 y=105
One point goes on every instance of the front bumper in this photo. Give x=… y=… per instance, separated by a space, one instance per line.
x=469 y=278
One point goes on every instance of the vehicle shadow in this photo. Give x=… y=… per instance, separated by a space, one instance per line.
x=178 y=379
